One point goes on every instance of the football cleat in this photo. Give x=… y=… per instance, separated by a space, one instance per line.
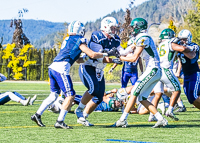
x=181 y=109
x=61 y=124
x=26 y=102
x=120 y=123
x=37 y=119
x=160 y=123
x=33 y=99
x=84 y=122
x=171 y=115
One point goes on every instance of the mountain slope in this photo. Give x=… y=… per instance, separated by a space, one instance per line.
x=43 y=33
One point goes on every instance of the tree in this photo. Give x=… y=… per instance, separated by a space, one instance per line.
x=17 y=62
x=192 y=22
x=126 y=28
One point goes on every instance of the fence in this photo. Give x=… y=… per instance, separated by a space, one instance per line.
x=39 y=71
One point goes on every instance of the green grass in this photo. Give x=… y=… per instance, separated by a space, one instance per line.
x=16 y=126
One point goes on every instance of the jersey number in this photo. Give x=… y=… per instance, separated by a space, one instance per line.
x=183 y=60
x=162 y=51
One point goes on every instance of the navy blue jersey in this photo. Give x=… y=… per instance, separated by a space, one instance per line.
x=70 y=50
x=130 y=66
x=190 y=66
x=99 y=38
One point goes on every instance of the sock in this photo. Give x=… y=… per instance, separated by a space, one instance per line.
x=180 y=104
x=13 y=97
x=85 y=114
x=158 y=116
x=22 y=101
x=124 y=116
x=170 y=109
x=47 y=102
x=81 y=106
x=151 y=114
x=62 y=115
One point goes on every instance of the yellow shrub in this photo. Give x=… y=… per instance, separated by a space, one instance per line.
x=15 y=61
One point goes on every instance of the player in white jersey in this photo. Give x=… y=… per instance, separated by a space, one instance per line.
x=167 y=54
x=145 y=47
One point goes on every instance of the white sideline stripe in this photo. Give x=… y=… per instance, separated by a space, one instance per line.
x=38 y=90
x=78 y=83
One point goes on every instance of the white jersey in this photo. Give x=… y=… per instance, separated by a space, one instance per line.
x=166 y=54
x=149 y=54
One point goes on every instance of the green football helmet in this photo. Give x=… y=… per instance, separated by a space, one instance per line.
x=167 y=34
x=138 y=24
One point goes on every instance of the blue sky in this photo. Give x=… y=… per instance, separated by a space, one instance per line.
x=62 y=10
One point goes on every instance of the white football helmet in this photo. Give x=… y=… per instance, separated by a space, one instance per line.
x=121 y=94
x=76 y=27
x=185 y=34
x=107 y=24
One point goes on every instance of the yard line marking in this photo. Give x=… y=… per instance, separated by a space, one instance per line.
x=133 y=123
x=116 y=140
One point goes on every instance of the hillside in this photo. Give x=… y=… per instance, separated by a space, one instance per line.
x=152 y=11
x=34 y=29
x=44 y=33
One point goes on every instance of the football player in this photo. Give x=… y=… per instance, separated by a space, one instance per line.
x=59 y=76
x=144 y=46
x=91 y=72
x=167 y=54
x=190 y=67
x=109 y=103
x=14 y=96
x=129 y=69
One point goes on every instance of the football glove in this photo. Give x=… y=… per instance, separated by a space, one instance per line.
x=114 y=52
x=111 y=70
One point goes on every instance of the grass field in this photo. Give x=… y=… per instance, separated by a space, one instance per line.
x=16 y=126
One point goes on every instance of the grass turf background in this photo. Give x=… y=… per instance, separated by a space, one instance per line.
x=16 y=126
